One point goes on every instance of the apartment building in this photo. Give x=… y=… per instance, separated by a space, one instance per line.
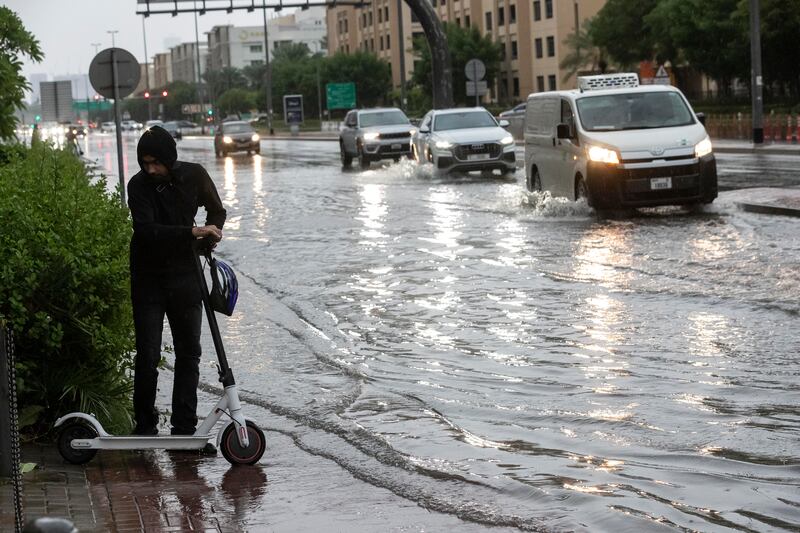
x=532 y=33
x=162 y=70
x=184 y=61
x=241 y=46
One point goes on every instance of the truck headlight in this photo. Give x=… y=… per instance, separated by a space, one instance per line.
x=703 y=148
x=444 y=145
x=227 y=140
x=372 y=136
x=603 y=155
x=507 y=140
x=255 y=137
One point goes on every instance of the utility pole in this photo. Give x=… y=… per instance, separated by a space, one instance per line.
x=199 y=80
x=756 y=81
x=146 y=71
x=112 y=32
x=268 y=73
x=402 y=49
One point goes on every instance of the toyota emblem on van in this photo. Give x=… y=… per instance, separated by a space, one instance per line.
x=657 y=150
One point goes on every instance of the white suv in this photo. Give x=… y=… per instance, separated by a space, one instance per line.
x=375 y=134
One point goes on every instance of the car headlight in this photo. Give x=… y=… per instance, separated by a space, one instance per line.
x=412 y=132
x=444 y=145
x=703 y=148
x=227 y=140
x=372 y=136
x=507 y=140
x=603 y=155
x=255 y=137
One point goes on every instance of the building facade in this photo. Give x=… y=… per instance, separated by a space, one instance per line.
x=184 y=62
x=242 y=46
x=531 y=32
x=162 y=70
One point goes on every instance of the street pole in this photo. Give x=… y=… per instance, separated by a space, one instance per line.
x=756 y=82
x=199 y=82
x=117 y=121
x=146 y=71
x=401 y=45
x=475 y=83
x=112 y=32
x=319 y=95
x=268 y=73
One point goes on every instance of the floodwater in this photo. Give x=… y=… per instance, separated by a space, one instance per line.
x=513 y=359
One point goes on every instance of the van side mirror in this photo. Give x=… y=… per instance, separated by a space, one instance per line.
x=702 y=118
x=562 y=131
x=503 y=123
x=424 y=129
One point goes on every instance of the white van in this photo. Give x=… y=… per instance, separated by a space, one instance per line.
x=618 y=144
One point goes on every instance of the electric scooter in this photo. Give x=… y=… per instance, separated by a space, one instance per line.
x=241 y=440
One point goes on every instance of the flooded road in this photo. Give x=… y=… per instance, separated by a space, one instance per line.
x=512 y=359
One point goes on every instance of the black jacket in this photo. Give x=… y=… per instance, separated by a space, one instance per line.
x=163 y=212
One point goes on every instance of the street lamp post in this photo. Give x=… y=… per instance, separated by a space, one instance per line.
x=112 y=32
x=146 y=71
x=756 y=82
x=199 y=79
x=268 y=73
x=402 y=49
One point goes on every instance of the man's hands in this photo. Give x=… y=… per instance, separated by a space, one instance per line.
x=212 y=232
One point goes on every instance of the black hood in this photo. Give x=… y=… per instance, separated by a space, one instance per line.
x=157 y=142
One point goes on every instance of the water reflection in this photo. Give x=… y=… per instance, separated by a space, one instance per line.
x=446 y=220
x=261 y=208
x=230 y=201
x=372 y=214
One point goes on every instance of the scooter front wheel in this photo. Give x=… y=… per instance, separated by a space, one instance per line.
x=70 y=432
x=233 y=451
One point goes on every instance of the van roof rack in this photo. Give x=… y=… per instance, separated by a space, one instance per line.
x=608 y=81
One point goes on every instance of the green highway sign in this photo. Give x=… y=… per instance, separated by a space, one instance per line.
x=93 y=105
x=341 y=95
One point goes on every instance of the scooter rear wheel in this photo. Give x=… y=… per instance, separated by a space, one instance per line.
x=233 y=451
x=70 y=432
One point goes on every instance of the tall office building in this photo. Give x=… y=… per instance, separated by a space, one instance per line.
x=184 y=61
x=531 y=32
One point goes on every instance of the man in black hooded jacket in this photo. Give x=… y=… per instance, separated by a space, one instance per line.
x=163 y=199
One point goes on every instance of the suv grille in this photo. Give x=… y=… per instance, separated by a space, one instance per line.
x=463 y=150
x=400 y=135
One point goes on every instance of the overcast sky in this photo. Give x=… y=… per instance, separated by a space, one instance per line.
x=66 y=30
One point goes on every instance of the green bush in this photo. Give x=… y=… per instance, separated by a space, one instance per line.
x=64 y=288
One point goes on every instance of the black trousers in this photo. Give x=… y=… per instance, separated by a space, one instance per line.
x=176 y=296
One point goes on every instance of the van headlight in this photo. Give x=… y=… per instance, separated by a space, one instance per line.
x=703 y=148
x=372 y=136
x=227 y=140
x=507 y=140
x=602 y=155
x=255 y=137
x=444 y=145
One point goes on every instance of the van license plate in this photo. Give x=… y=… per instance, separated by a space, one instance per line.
x=658 y=184
x=397 y=147
x=477 y=157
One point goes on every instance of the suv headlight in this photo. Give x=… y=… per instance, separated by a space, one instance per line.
x=255 y=137
x=372 y=136
x=703 y=148
x=602 y=155
x=227 y=140
x=507 y=140
x=444 y=145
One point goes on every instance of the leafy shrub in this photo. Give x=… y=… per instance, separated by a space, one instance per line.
x=64 y=288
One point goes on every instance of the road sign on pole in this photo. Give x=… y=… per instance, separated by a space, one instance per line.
x=340 y=95
x=475 y=70
x=476 y=89
x=115 y=73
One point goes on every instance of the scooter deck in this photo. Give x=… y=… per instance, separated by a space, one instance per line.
x=143 y=442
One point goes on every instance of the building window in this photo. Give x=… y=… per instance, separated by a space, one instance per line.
x=444 y=2
x=488 y=21
x=363 y=20
x=551 y=46
x=256 y=48
x=512 y=14
x=345 y=26
x=414 y=17
x=551 y=82
x=548 y=9
x=538 y=43
x=537 y=10
x=466 y=21
x=434 y=3
x=386 y=14
x=369 y=18
x=501 y=16
x=516 y=86
x=540 y=84
x=387 y=42
x=514 y=50
x=502 y=52
x=372 y=45
x=504 y=87
x=381 y=43
x=380 y=16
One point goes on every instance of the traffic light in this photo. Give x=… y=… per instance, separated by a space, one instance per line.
x=164 y=93
x=147 y=94
x=210 y=112
x=38 y=118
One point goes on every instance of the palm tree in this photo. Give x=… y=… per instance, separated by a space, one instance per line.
x=583 y=53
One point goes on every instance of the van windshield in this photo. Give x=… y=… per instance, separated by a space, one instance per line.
x=634 y=111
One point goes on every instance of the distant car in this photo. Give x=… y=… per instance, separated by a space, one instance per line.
x=173 y=129
x=236 y=136
x=130 y=125
x=375 y=134
x=150 y=123
x=516 y=111
x=185 y=124
x=108 y=127
x=464 y=139
x=78 y=130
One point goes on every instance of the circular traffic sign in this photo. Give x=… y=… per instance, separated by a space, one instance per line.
x=475 y=70
x=102 y=77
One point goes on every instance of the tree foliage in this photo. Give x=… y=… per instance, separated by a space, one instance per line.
x=15 y=41
x=583 y=54
x=235 y=101
x=64 y=288
x=372 y=76
x=464 y=44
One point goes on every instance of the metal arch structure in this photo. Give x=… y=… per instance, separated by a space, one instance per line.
x=422 y=9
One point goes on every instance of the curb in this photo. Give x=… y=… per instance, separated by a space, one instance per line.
x=768 y=209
